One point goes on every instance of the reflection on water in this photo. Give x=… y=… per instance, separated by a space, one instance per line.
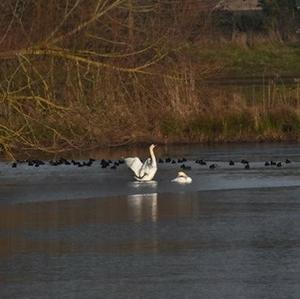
x=142 y=184
x=143 y=206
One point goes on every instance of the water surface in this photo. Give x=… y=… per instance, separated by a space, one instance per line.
x=68 y=232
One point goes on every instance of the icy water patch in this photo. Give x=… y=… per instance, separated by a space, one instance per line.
x=27 y=183
x=207 y=244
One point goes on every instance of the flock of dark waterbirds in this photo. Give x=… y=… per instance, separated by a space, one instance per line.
x=62 y=161
x=103 y=163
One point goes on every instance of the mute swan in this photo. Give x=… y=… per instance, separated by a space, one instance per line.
x=182 y=178
x=143 y=171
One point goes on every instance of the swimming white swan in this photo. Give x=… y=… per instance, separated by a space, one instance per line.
x=182 y=178
x=143 y=171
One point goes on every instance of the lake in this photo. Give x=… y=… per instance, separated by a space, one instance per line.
x=89 y=232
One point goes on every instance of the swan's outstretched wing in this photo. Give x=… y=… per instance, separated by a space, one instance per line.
x=135 y=165
x=147 y=171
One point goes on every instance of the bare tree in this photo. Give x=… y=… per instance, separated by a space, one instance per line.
x=70 y=67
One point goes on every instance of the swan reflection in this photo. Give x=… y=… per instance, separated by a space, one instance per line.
x=140 y=184
x=143 y=206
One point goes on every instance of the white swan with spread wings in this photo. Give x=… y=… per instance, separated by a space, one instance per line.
x=143 y=171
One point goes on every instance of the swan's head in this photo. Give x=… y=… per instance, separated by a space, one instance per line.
x=152 y=146
x=181 y=174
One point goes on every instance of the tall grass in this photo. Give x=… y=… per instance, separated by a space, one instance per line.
x=92 y=109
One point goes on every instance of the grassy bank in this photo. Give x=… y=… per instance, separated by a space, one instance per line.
x=248 y=125
x=111 y=109
x=268 y=112
x=174 y=111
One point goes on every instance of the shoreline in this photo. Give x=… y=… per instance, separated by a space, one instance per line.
x=108 y=151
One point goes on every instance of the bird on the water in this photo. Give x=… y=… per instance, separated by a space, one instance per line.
x=143 y=171
x=182 y=178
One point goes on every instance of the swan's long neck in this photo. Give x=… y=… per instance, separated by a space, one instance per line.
x=152 y=156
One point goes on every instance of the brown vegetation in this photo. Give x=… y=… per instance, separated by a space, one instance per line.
x=81 y=74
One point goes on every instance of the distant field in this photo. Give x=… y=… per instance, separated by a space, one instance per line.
x=265 y=59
